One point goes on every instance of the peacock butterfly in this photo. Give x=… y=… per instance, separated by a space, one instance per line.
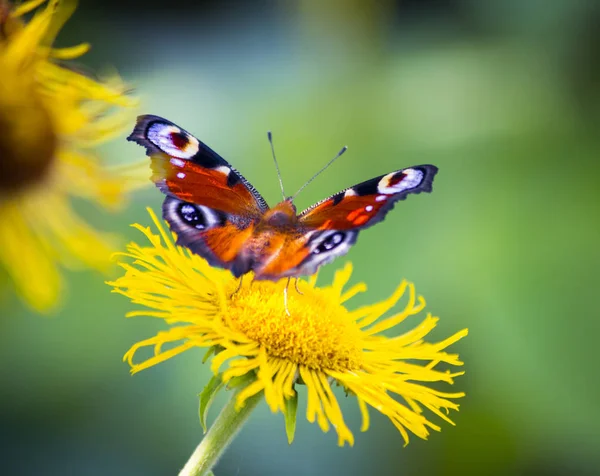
x=219 y=215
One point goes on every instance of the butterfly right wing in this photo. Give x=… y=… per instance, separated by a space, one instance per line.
x=367 y=203
x=209 y=205
x=330 y=228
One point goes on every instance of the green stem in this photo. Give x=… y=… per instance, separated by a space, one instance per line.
x=219 y=436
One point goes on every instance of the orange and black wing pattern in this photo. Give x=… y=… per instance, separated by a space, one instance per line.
x=367 y=203
x=209 y=205
x=331 y=227
x=188 y=169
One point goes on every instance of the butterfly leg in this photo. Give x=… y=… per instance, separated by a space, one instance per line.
x=285 y=297
x=238 y=287
x=297 y=290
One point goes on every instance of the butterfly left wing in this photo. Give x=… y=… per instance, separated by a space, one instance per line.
x=209 y=205
x=329 y=228
x=186 y=168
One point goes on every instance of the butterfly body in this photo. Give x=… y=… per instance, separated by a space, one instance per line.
x=217 y=214
x=266 y=240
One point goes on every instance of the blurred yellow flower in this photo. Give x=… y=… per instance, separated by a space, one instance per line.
x=319 y=344
x=51 y=117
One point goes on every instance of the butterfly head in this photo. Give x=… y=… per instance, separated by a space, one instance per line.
x=284 y=214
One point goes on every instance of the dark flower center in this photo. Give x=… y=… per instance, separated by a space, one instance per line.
x=27 y=138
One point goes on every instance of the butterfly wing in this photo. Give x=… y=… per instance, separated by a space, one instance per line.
x=367 y=203
x=331 y=227
x=302 y=254
x=209 y=205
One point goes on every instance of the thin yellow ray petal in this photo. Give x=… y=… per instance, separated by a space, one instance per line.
x=221 y=357
x=160 y=227
x=249 y=391
x=450 y=340
x=78 y=86
x=284 y=389
x=408 y=338
x=81 y=175
x=25 y=8
x=292 y=375
x=409 y=310
x=29 y=266
x=70 y=235
x=157 y=314
x=240 y=367
x=314 y=408
x=61 y=11
x=277 y=380
x=134 y=175
x=162 y=357
x=364 y=411
x=70 y=52
x=374 y=312
x=333 y=411
x=341 y=278
x=353 y=291
x=265 y=371
x=266 y=374
x=18 y=51
x=400 y=427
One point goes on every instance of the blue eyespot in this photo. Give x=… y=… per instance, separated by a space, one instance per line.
x=331 y=242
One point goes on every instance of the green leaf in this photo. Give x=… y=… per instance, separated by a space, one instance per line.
x=244 y=380
x=207 y=396
x=291 y=405
x=211 y=350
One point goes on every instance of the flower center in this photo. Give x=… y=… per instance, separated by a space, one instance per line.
x=27 y=137
x=318 y=333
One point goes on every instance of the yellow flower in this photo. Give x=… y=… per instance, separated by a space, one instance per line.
x=51 y=117
x=320 y=343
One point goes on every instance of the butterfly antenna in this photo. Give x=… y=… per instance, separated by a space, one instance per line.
x=270 y=136
x=344 y=149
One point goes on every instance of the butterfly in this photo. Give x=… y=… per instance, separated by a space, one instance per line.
x=216 y=213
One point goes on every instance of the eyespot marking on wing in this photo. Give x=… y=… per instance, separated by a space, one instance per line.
x=173 y=140
x=400 y=181
x=186 y=215
x=324 y=247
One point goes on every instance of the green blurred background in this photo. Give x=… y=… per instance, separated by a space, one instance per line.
x=503 y=96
